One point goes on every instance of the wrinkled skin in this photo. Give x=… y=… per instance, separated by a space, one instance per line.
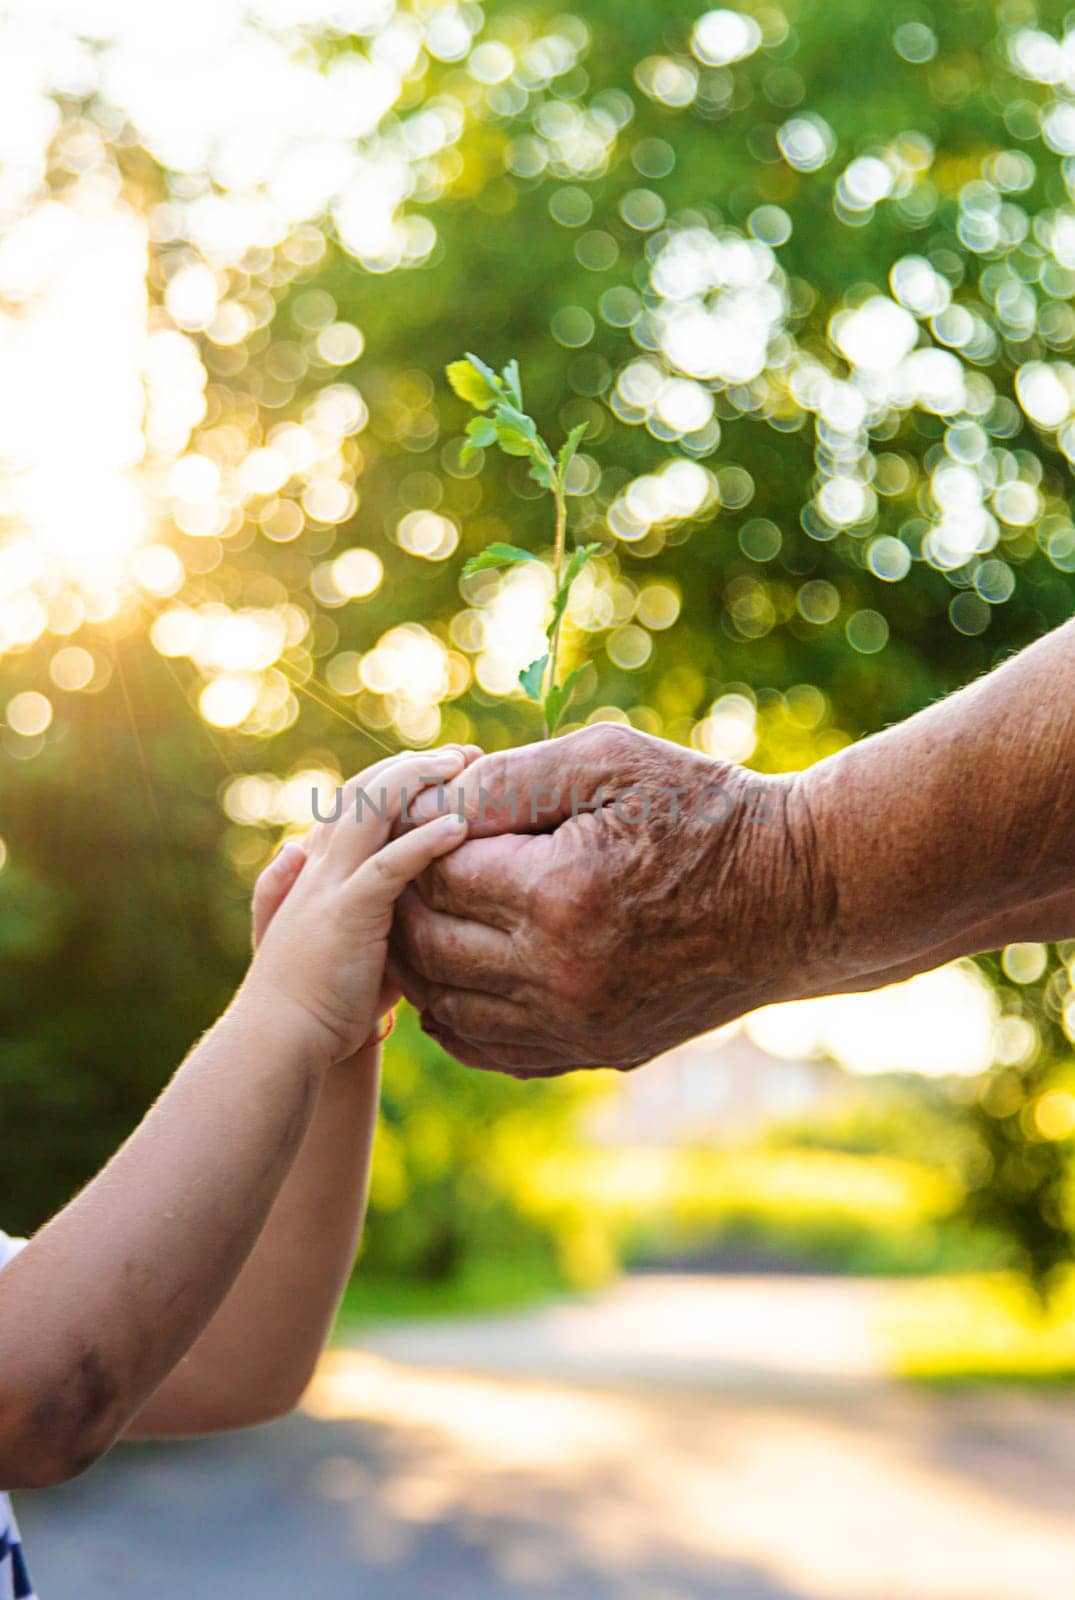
x=611 y=935
x=607 y=936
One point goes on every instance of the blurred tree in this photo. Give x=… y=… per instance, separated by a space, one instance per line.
x=806 y=273
x=120 y=928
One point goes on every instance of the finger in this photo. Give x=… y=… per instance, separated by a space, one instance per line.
x=375 y=799
x=391 y=990
x=274 y=885
x=381 y=880
x=445 y=761
x=415 y=988
x=330 y=809
x=482 y=881
x=489 y=1019
x=536 y=788
x=454 y=951
x=442 y=788
x=514 y=1062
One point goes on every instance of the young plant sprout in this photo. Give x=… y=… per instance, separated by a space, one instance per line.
x=504 y=422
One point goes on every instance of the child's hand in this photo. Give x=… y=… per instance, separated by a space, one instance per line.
x=273 y=887
x=323 y=908
x=271 y=890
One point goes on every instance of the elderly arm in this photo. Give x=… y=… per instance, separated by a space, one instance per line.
x=617 y=931
x=954 y=822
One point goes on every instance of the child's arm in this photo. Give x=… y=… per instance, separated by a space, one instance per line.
x=108 y=1297
x=257 y=1354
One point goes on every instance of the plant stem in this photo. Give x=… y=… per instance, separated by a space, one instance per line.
x=561 y=526
x=559 y=555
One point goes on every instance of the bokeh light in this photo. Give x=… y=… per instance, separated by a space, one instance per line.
x=939 y=1024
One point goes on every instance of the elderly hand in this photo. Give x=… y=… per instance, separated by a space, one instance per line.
x=617 y=895
x=620 y=930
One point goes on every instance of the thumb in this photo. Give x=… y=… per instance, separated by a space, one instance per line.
x=274 y=885
x=534 y=789
x=382 y=878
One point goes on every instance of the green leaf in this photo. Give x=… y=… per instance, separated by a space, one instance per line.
x=542 y=473
x=567 y=454
x=512 y=442
x=513 y=382
x=579 y=558
x=533 y=676
x=559 y=698
x=512 y=417
x=481 y=433
x=474 y=383
x=498 y=555
x=516 y=432
x=484 y=372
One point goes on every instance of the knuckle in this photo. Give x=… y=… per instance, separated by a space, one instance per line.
x=491 y=771
x=419 y=941
x=434 y=886
x=448 y=882
x=488 y=789
x=442 y=1005
x=607 y=742
x=383 y=870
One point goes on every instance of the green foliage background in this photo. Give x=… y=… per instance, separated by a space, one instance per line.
x=122 y=914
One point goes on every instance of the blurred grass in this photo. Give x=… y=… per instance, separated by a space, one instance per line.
x=979 y=1329
x=494 y=1283
x=833 y=1210
x=950 y=1321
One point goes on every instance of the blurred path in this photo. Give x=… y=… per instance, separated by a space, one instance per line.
x=769 y=1332
x=672 y=1439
